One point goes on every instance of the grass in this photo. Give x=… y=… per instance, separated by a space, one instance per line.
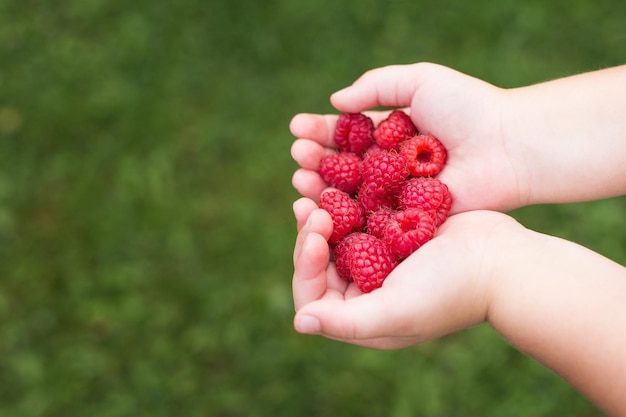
x=145 y=203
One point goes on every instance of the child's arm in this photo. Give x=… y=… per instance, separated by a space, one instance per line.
x=565 y=306
x=556 y=301
x=572 y=136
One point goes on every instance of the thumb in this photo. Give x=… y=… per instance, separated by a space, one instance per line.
x=367 y=316
x=392 y=86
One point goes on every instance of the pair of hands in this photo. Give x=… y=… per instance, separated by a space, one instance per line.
x=449 y=284
x=554 y=142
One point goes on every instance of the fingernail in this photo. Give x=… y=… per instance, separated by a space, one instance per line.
x=307 y=324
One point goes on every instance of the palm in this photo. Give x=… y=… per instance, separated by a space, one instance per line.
x=463 y=112
x=439 y=289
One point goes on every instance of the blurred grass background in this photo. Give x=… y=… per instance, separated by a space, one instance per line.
x=145 y=203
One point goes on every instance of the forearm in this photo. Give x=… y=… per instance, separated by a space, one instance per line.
x=565 y=306
x=572 y=133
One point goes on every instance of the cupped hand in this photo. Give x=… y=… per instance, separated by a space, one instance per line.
x=445 y=286
x=483 y=170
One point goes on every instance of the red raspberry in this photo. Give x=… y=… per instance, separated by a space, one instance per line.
x=384 y=171
x=341 y=254
x=370 y=261
x=354 y=132
x=342 y=170
x=425 y=155
x=371 y=201
x=346 y=213
x=372 y=149
x=377 y=222
x=428 y=194
x=441 y=214
x=408 y=230
x=394 y=130
x=385 y=202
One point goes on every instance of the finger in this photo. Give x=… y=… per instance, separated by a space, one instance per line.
x=302 y=209
x=392 y=86
x=318 y=221
x=381 y=343
x=369 y=316
x=314 y=276
x=308 y=153
x=308 y=183
x=316 y=127
x=336 y=283
x=309 y=278
x=311 y=258
x=320 y=128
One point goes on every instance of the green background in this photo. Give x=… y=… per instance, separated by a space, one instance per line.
x=145 y=203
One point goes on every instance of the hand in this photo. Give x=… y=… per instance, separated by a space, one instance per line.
x=464 y=113
x=555 y=142
x=482 y=265
x=443 y=287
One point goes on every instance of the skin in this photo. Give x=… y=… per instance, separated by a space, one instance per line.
x=555 y=142
x=560 y=141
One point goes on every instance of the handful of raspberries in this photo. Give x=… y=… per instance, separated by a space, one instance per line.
x=386 y=201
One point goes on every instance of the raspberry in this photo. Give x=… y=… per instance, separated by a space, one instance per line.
x=441 y=214
x=408 y=230
x=341 y=253
x=394 y=130
x=377 y=222
x=384 y=171
x=425 y=155
x=371 y=201
x=346 y=213
x=372 y=149
x=370 y=261
x=354 y=132
x=385 y=202
x=428 y=194
x=342 y=171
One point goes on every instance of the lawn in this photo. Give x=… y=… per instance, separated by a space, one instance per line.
x=145 y=203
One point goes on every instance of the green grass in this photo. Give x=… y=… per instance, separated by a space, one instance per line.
x=145 y=203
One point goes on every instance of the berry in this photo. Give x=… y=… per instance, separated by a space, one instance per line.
x=372 y=149
x=378 y=220
x=425 y=155
x=385 y=202
x=345 y=212
x=342 y=171
x=394 y=130
x=428 y=194
x=354 y=132
x=408 y=230
x=370 y=261
x=341 y=253
x=372 y=201
x=384 y=171
x=441 y=214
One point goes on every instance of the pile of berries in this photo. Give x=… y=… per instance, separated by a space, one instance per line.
x=385 y=202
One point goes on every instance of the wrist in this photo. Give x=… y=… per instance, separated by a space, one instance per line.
x=564 y=149
x=493 y=245
x=514 y=131
x=511 y=248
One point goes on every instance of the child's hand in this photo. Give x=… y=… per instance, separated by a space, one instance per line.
x=506 y=148
x=554 y=300
x=464 y=113
x=560 y=141
x=443 y=287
